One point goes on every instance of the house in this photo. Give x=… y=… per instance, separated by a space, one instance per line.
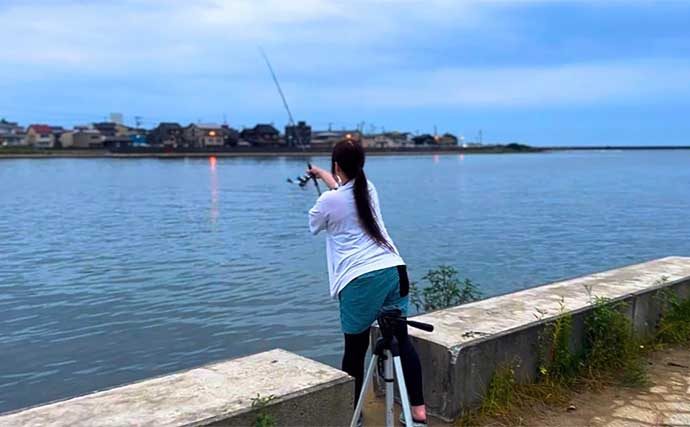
x=40 y=136
x=11 y=134
x=331 y=137
x=118 y=141
x=387 y=140
x=203 y=135
x=231 y=136
x=86 y=137
x=57 y=133
x=261 y=134
x=114 y=134
x=424 y=139
x=166 y=134
x=107 y=129
x=298 y=135
x=137 y=139
x=447 y=139
x=66 y=139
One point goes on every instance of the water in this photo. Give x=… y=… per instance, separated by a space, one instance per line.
x=117 y=270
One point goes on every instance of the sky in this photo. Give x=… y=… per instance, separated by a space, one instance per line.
x=544 y=73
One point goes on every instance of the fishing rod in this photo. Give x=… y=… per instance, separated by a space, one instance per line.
x=302 y=180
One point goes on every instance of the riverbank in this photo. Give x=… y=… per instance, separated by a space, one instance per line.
x=150 y=152
x=147 y=152
x=665 y=401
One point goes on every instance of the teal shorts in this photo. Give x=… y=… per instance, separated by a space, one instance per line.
x=363 y=298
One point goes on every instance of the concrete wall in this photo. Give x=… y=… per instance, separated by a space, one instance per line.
x=469 y=342
x=307 y=393
x=472 y=340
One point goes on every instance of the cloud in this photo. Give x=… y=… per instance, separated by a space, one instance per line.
x=603 y=83
x=155 y=34
x=198 y=58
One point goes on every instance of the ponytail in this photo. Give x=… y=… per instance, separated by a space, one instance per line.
x=350 y=158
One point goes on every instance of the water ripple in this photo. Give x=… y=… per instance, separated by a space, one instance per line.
x=113 y=271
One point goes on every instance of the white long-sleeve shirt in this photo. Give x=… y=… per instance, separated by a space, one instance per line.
x=350 y=252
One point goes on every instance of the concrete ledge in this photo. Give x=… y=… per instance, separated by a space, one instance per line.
x=307 y=393
x=470 y=341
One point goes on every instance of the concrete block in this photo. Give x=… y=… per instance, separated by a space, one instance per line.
x=307 y=393
x=470 y=341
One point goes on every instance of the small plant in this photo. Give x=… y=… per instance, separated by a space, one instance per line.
x=444 y=290
x=501 y=391
x=610 y=347
x=557 y=363
x=674 y=327
x=263 y=418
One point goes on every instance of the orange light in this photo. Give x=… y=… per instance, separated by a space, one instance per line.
x=212 y=133
x=348 y=136
x=212 y=162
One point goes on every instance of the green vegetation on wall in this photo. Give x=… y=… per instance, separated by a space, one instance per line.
x=444 y=290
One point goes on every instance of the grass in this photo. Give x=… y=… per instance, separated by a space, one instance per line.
x=611 y=355
x=263 y=418
x=674 y=326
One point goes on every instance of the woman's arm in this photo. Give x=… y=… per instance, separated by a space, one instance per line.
x=325 y=176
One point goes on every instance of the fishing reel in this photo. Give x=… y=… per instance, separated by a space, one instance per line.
x=303 y=180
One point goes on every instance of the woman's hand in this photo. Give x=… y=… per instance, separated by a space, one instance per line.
x=316 y=171
x=324 y=175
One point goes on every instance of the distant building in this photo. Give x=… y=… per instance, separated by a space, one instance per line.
x=57 y=133
x=114 y=134
x=204 y=135
x=166 y=134
x=40 y=136
x=66 y=139
x=137 y=139
x=85 y=137
x=261 y=134
x=298 y=135
x=106 y=128
x=118 y=141
x=11 y=134
x=447 y=139
x=424 y=139
x=231 y=137
x=387 y=140
x=330 y=138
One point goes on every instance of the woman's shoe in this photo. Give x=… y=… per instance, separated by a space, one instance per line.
x=415 y=423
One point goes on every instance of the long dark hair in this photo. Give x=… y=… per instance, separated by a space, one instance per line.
x=350 y=157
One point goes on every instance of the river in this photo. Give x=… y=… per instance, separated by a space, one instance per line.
x=115 y=270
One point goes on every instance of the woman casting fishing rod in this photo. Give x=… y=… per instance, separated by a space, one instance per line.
x=365 y=270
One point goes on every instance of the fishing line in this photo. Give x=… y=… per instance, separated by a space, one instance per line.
x=302 y=180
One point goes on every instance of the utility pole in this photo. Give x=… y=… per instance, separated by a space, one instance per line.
x=481 y=136
x=137 y=121
x=330 y=126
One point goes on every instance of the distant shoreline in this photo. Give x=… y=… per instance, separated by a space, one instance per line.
x=22 y=153
x=247 y=152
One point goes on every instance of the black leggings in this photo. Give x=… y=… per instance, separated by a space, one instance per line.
x=356 y=350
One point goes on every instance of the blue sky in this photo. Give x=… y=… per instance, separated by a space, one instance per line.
x=543 y=73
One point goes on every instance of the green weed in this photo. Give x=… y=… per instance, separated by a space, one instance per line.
x=444 y=290
x=263 y=418
x=674 y=326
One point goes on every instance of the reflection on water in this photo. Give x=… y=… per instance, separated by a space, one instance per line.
x=214 y=190
x=117 y=270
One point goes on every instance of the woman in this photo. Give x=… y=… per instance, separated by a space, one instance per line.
x=365 y=270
